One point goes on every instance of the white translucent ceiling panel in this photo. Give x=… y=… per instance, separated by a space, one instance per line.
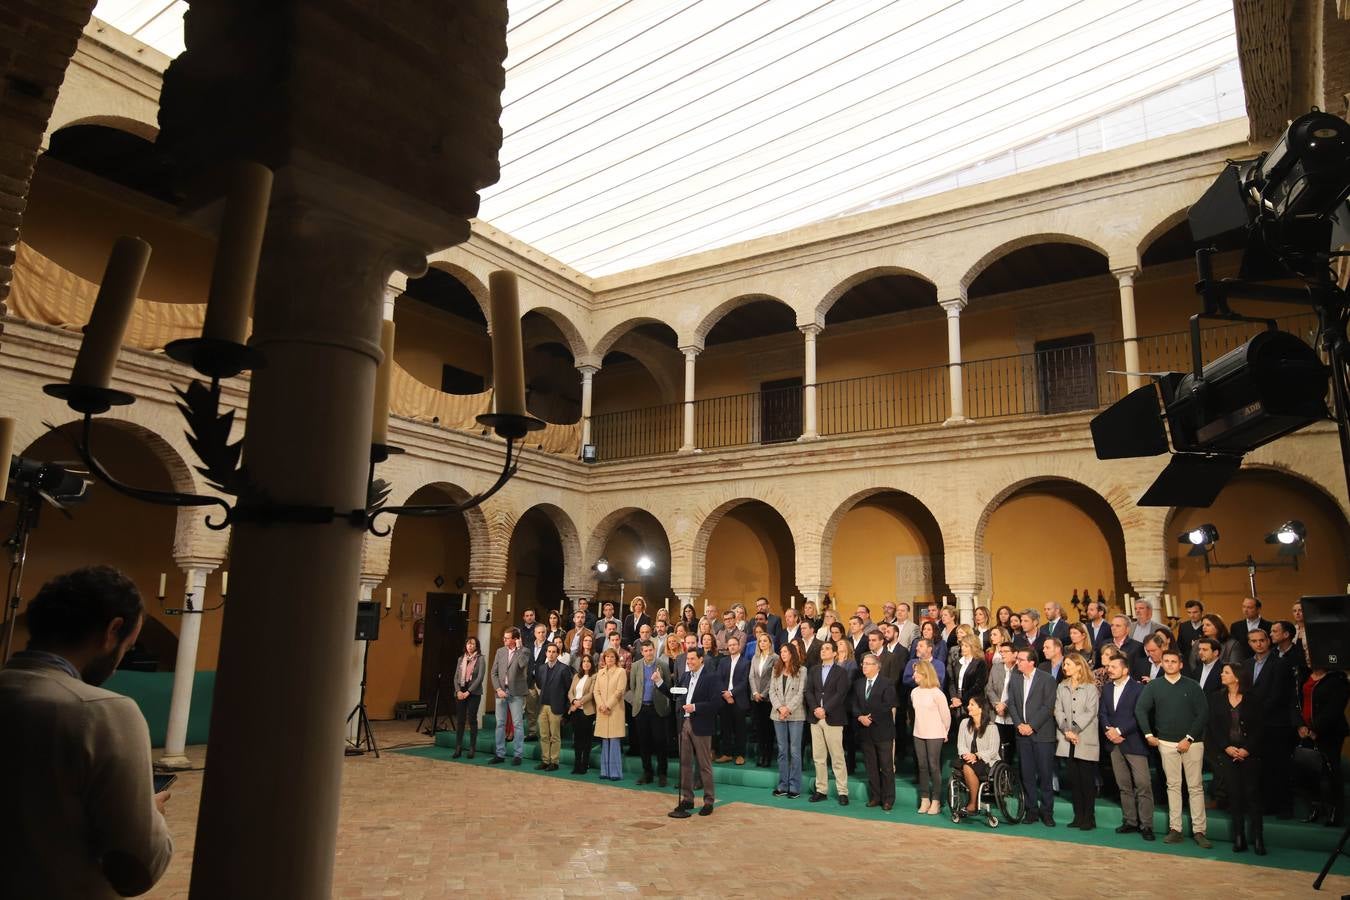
x=641 y=130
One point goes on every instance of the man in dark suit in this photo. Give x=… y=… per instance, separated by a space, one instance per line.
x=1126 y=748
x=1274 y=692
x=1250 y=621
x=888 y=663
x=698 y=721
x=584 y=607
x=1055 y=624
x=633 y=621
x=1099 y=630
x=1188 y=632
x=527 y=623
x=775 y=624
x=1031 y=701
x=827 y=687
x=1284 y=645
x=734 y=683
x=809 y=644
x=1207 y=666
x=553 y=680
x=1148 y=666
x=535 y=648
x=874 y=712
x=1121 y=640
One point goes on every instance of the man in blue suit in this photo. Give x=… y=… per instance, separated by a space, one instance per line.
x=698 y=720
x=1031 y=702
x=1128 y=752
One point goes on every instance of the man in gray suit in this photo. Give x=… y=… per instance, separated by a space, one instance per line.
x=906 y=630
x=511 y=681
x=1031 y=702
x=648 y=684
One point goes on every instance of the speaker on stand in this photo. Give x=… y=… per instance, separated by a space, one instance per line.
x=367 y=629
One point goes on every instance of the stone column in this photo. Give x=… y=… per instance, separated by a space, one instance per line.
x=690 y=354
x=809 y=428
x=965 y=601
x=587 y=378
x=1129 y=331
x=185 y=666
x=484 y=634
x=957 y=384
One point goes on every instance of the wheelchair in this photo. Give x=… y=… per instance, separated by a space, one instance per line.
x=1000 y=795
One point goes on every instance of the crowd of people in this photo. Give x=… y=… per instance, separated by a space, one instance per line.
x=1110 y=704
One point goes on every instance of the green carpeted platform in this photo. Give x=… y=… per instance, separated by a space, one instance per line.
x=1292 y=845
x=152 y=692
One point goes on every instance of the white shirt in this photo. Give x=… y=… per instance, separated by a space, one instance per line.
x=961 y=672
x=689 y=698
x=731 y=671
x=1204 y=670
x=580 y=688
x=1003 y=698
x=1026 y=693
x=1117 y=688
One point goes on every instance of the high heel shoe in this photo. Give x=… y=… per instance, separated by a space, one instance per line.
x=1239 y=842
x=1314 y=813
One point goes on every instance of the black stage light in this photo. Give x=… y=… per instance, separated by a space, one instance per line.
x=1201 y=539
x=1292 y=537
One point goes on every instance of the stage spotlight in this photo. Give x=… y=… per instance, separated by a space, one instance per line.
x=645 y=563
x=602 y=565
x=1200 y=538
x=1291 y=537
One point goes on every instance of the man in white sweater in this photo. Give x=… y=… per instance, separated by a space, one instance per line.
x=91 y=825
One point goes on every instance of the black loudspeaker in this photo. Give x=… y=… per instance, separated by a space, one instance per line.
x=367 y=620
x=1327 y=622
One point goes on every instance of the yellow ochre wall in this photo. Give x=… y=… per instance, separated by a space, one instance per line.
x=869 y=538
x=1043 y=547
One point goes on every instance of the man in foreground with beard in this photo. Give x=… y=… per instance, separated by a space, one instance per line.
x=84 y=820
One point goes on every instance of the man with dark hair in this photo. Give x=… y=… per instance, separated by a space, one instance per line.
x=1099 y=630
x=1282 y=636
x=1274 y=692
x=874 y=710
x=1251 y=620
x=552 y=680
x=1031 y=704
x=84 y=819
x=1126 y=748
x=1172 y=712
x=1188 y=632
x=697 y=722
x=734 y=680
x=1149 y=665
x=511 y=682
x=1207 y=666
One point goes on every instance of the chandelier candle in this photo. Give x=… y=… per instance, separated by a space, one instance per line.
x=379 y=428
x=237 y=252
x=508 y=358
x=112 y=311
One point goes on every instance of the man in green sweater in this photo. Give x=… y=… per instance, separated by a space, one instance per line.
x=1172 y=711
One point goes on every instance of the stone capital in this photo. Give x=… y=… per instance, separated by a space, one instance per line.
x=953 y=307
x=811 y=330
x=1126 y=274
x=691 y=349
x=587 y=370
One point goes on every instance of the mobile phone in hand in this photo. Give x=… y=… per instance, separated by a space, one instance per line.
x=162 y=782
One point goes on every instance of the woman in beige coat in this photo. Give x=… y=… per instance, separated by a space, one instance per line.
x=610 y=686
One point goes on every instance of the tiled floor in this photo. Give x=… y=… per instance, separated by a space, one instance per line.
x=420 y=829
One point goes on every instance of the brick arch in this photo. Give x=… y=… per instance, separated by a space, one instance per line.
x=624 y=515
x=575 y=568
x=852 y=281
x=831 y=525
x=606 y=341
x=1018 y=243
x=1284 y=470
x=470 y=281
x=377 y=550
x=694 y=547
x=716 y=313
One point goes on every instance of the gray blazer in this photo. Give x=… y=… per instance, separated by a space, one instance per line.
x=993 y=688
x=513 y=677
x=1076 y=710
x=792 y=696
x=475 y=684
x=908 y=632
x=759 y=684
x=987 y=747
x=660 y=701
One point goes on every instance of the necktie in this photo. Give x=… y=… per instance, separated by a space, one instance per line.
x=867 y=695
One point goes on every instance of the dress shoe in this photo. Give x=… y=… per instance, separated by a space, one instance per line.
x=1202 y=842
x=706 y=810
x=645 y=779
x=887 y=807
x=873 y=803
x=1075 y=823
x=1259 y=846
x=722 y=759
x=498 y=760
x=679 y=812
x=1173 y=837
x=1087 y=825
x=1239 y=842
x=1048 y=820
x=515 y=761
x=1146 y=834
x=553 y=767
x=471 y=752
x=740 y=760
x=816 y=797
x=541 y=766
x=1031 y=817
x=457 y=754
x=576 y=771
x=661 y=780
x=843 y=799
x=1126 y=828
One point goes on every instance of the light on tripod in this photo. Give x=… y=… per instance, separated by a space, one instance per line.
x=645 y=563
x=1200 y=538
x=602 y=565
x=1291 y=536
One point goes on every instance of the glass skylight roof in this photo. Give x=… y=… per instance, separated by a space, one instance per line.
x=638 y=131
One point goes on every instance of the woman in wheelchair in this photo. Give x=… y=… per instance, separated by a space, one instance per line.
x=977 y=750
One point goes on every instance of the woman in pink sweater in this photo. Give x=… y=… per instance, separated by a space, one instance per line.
x=932 y=719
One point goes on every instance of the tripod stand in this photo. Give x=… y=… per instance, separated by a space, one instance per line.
x=434 y=713
x=24 y=523
x=1331 y=860
x=361 y=745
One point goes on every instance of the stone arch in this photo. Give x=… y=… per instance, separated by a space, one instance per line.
x=1018 y=243
x=715 y=315
x=575 y=343
x=1280 y=467
x=852 y=281
x=376 y=552
x=607 y=341
x=831 y=525
x=692 y=545
x=624 y=515
x=1161 y=227
x=574 y=566
x=471 y=282
x=147 y=130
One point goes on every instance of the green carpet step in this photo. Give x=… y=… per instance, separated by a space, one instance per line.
x=1293 y=845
